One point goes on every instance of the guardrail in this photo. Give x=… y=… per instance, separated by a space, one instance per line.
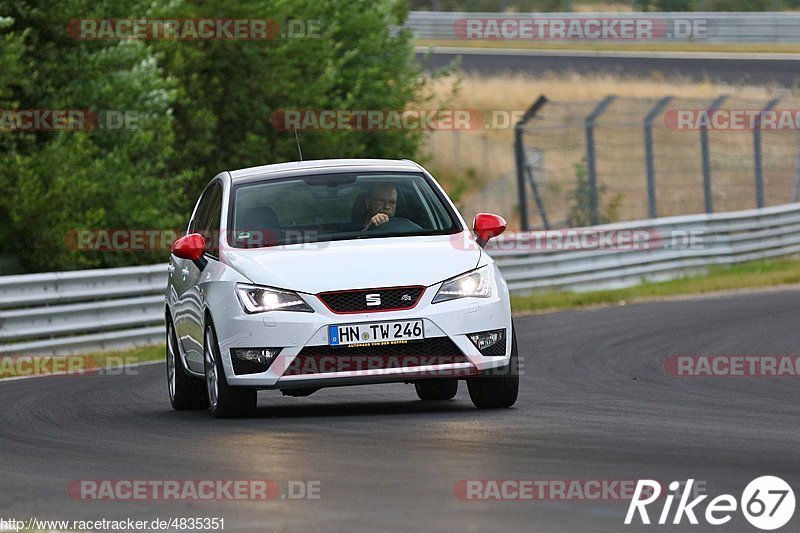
x=82 y=311
x=719 y=239
x=98 y=310
x=711 y=27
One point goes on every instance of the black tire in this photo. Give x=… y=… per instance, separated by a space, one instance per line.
x=436 y=390
x=223 y=401
x=497 y=388
x=186 y=393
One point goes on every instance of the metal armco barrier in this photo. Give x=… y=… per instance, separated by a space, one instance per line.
x=97 y=310
x=82 y=311
x=718 y=239
x=711 y=27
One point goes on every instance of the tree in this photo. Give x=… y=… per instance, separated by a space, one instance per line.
x=56 y=182
x=354 y=58
x=202 y=106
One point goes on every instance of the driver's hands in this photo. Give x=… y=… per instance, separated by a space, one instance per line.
x=377 y=220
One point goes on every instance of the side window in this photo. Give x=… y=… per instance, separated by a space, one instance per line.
x=211 y=231
x=200 y=217
x=207 y=216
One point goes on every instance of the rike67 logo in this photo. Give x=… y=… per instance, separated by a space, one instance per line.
x=767 y=503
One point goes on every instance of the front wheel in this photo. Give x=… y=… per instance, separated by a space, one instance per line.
x=500 y=389
x=223 y=400
x=434 y=390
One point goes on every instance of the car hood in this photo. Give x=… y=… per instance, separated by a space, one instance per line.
x=357 y=264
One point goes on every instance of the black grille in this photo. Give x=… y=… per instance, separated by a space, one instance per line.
x=327 y=359
x=495 y=350
x=356 y=301
x=241 y=367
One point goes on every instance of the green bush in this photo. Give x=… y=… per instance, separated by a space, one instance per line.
x=205 y=106
x=580 y=197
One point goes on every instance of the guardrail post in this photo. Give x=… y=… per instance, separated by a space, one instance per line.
x=757 y=153
x=648 y=153
x=590 y=157
x=519 y=157
x=709 y=200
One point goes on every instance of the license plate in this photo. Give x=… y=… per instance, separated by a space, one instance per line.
x=376 y=333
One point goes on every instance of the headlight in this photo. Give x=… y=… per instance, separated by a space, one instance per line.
x=473 y=284
x=260 y=299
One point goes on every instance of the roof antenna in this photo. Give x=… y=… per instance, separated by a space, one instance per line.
x=297 y=140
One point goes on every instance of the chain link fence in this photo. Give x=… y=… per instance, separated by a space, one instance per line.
x=620 y=158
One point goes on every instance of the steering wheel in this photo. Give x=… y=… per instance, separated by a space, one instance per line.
x=393 y=224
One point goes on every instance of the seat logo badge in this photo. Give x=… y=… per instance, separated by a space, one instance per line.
x=405 y=298
x=373 y=299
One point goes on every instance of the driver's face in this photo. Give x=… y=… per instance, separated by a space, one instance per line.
x=383 y=200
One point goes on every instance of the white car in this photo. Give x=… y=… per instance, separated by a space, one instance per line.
x=299 y=276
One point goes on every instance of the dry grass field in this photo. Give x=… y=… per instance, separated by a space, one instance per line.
x=479 y=165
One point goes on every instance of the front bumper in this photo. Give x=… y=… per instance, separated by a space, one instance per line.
x=293 y=331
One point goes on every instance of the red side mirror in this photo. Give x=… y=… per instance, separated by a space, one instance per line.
x=191 y=247
x=487 y=225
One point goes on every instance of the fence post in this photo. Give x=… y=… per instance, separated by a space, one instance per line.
x=590 y=156
x=536 y=196
x=757 y=153
x=519 y=158
x=706 y=160
x=648 y=153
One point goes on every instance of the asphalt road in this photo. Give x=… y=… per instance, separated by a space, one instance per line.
x=778 y=69
x=595 y=403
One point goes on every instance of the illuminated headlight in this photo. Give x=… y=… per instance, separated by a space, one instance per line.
x=260 y=299
x=473 y=284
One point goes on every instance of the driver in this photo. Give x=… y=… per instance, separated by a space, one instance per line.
x=381 y=204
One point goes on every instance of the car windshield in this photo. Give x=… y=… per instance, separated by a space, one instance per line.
x=328 y=207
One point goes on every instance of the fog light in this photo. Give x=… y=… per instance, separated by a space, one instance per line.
x=491 y=343
x=253 y=360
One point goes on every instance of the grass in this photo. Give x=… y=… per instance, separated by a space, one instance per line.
x=79 y=364
x=599 y=46
x=719 y=279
